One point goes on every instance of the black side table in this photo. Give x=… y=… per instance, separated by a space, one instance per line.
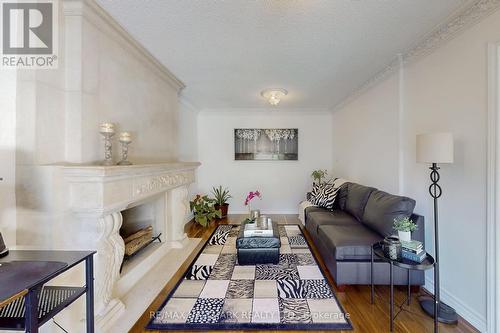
x=26 y=303
x=410 y=265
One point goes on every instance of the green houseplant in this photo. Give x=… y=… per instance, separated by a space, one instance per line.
x=221 y=196
x=318 y=175
x=204 y=210
x=404 y=226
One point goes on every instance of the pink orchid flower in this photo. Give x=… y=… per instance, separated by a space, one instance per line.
x=251 y=196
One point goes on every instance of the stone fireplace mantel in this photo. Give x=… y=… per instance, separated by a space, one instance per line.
x=99 y=194
x=101 y=190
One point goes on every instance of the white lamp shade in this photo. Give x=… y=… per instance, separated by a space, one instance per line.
x=435 y=148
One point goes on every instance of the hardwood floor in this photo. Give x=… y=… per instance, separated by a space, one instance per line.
x=355 y=299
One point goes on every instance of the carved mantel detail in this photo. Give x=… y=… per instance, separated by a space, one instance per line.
x=98 y=191
x=159 y=183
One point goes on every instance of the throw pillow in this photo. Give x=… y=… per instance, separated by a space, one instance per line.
x=323 y=195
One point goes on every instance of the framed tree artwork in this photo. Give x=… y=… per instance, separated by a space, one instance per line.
x=271 y=144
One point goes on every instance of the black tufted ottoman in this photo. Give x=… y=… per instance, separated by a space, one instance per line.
x=258 y=250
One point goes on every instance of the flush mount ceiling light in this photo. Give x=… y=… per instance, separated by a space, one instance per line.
x=274 y=95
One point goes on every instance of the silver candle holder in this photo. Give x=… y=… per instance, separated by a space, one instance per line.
x=107 y=130
x=125 y=139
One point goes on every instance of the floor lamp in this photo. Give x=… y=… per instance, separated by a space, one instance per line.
x=433 y=149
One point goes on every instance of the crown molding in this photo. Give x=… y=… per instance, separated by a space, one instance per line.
x=264 y=111
x=105 y=23
x=456 y=24
x=188 y=104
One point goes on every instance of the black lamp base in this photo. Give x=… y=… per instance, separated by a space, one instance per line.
x=446 y=314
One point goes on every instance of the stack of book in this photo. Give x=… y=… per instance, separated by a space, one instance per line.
x=413 y=250
x=258 y=230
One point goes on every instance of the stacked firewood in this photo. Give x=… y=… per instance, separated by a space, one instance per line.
x=137 y=240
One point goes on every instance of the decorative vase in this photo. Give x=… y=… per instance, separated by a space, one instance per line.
x=392 y=248
x=404 y=236
x=254 y=214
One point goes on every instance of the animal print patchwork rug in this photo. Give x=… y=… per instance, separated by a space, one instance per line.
x=216 y=293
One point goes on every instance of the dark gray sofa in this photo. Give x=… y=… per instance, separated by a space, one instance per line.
x=362 y=216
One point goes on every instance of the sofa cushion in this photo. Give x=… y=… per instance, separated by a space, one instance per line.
x=348 y=242
x=357 y=196
x=341 y=194
x=307 y=217
x=382 y=208
x=316 y=217
x=312 y=209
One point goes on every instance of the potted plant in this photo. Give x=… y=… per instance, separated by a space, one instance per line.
x=250 y=196
x=404 y=226
x=221 y=196
x=204 y=210
x=317 y=175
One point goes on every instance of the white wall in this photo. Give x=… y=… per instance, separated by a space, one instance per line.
x=282 y=183
x=373 y=115
x=188 y=140
x=121 y=86
x=445 y=91
x=103 y=76
x=188 y=132
x=8 y=82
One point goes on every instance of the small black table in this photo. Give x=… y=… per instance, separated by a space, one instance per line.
x=258 y=249
x=26 y=303
x=427 y=263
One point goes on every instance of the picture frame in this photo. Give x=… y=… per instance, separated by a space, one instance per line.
x=266 y=144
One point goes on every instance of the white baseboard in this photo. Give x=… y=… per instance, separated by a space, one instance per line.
x=190 y=216
x=274 y=212
x=472 y=316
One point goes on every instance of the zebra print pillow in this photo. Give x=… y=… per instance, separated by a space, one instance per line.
x=323 y=195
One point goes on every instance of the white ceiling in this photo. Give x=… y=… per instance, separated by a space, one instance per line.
x=226 y=52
